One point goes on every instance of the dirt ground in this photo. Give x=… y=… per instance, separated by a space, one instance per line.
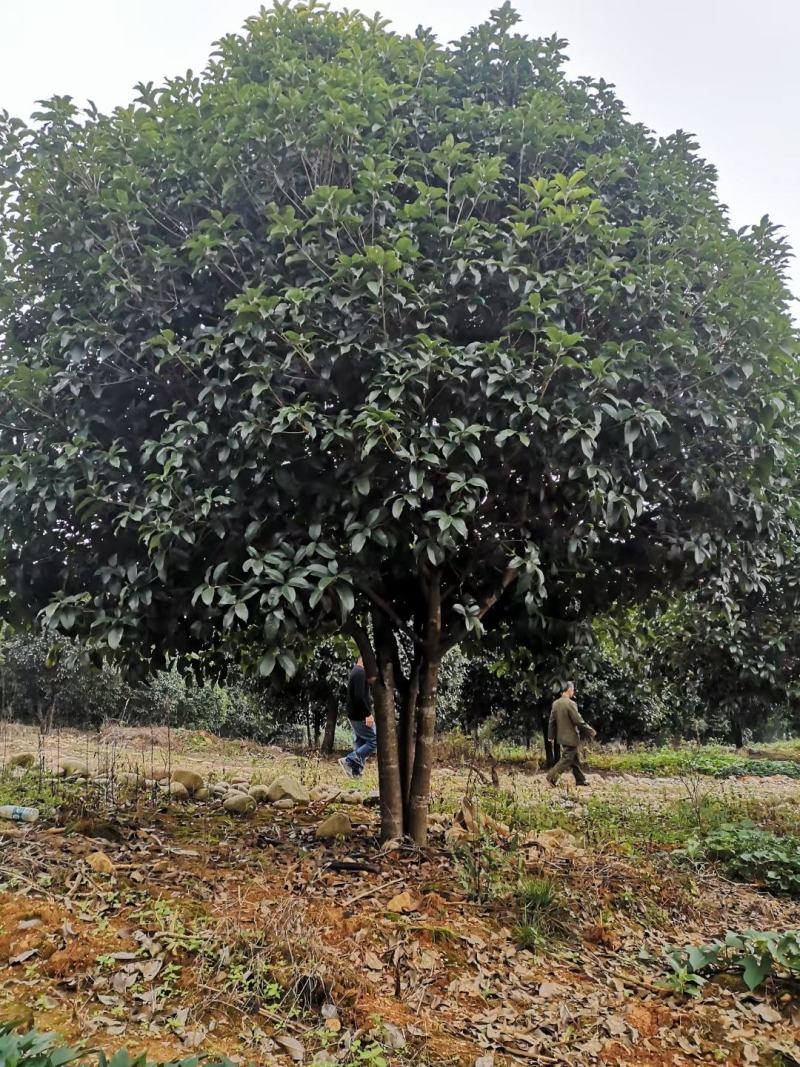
x=248 y=936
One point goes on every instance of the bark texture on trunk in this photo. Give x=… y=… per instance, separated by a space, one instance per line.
x=383 y=699
x=391 y=794
x=407 y=732
x=309 y=736
x=329 y=736
x=419 y=797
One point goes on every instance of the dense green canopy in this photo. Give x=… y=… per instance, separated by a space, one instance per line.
x=356 y=322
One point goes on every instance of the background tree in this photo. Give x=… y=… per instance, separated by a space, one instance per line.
x=315 y=696
x=40 y=685
x=357 y=327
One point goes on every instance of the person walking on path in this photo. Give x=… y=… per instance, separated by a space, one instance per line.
x=359 y=712
x=567 y=728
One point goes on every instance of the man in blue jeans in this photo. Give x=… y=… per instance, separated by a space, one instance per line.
x=359 y=711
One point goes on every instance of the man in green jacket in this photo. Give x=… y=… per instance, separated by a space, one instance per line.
x=567 y=728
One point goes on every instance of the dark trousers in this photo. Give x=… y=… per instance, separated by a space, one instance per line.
x=570 y=761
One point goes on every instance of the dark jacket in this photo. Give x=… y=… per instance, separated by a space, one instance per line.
x=358 y=698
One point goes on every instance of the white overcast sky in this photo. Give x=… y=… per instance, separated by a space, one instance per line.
x=726 y=70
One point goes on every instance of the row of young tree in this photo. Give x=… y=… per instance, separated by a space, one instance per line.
x=356 y=333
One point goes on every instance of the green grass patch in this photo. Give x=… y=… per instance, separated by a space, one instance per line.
x=522 y=814
x=35 y=790
x=542 y=912
x=665 y=762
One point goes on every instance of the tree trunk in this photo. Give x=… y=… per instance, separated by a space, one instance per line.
x=309 y=738
x=391 y=793
x=329 y=737
x=383 y=690
x=407 y=732
x=419 y=797
x=44 y=716
x=737 y=734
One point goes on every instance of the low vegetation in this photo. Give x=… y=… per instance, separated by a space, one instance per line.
x=29 y=1048
x=749 y=853
x=757 y=955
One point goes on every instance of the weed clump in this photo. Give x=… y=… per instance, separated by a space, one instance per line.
x=541 y=912
x=750 y=854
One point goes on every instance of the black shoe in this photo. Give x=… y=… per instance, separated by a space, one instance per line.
x=582 y=785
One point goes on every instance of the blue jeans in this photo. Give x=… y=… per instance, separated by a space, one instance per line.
x=366 y=742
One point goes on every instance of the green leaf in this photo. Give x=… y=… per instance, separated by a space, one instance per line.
x=346 y=598
x=266 y=665
x=756 y=969
x=632 y=431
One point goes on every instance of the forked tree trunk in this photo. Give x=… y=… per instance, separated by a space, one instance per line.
x=329 y=737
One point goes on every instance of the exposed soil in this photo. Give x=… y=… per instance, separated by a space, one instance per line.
x=236 y=935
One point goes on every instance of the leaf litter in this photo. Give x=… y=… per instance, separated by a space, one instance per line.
x=253 y=939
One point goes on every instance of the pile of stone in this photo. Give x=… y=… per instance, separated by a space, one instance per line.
x=237 y=796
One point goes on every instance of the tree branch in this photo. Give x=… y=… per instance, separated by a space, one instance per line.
x=361 y=637
x=510 y=575
x=386 y=608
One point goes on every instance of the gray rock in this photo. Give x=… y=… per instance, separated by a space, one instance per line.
x=22 y=759
x=259 y=793
x=239 y=804
x=72 y=768
x=190 y=779
x=286 y=786
x=336 y=825
x=178 y=791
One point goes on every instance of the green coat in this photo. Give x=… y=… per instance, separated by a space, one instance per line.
x=565 y=723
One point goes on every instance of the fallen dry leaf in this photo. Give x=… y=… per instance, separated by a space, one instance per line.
x=402 y=903
x=766 y=1013
x=292 y=1047
x=100 y=863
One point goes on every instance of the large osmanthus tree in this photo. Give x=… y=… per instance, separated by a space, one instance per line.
x=355 y=329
